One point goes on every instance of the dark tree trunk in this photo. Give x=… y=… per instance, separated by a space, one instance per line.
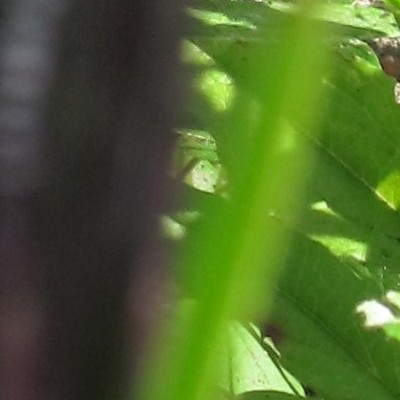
x=88 y=96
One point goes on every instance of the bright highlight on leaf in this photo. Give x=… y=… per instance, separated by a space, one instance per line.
x=375 y=313
x=217 y=87
x=323 y=207
x=389 y=188
x=343 y=247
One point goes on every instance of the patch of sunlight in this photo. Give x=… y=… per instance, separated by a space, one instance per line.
x=171 y=229
x=383 y=314
x=217 y=87
x=194 y=55
x=323 y=207
x=375 y=314
x=196 y=139
x=393 y=298
x=218 y=18
x=203 y=176
x=343 y=246
x=389 y=189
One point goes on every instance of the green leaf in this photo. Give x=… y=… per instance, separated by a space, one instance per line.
x=269 y=395
x=361 y=17
x=254 y=364
x=325 y=344
x=346 y=247
x=230 y=255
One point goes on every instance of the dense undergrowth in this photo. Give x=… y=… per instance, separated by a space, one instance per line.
x=288 y=237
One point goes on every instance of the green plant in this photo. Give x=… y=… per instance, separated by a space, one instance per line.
x=292 y=87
